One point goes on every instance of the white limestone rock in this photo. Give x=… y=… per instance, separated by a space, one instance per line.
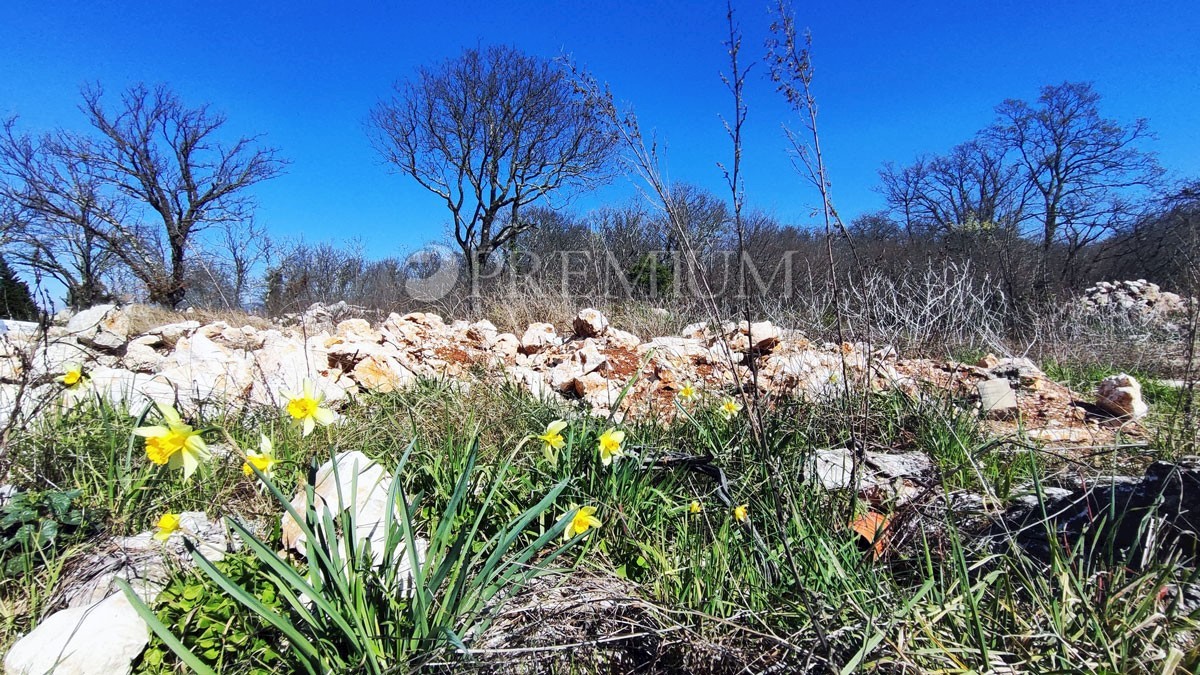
x=98 y=639
x=1121 y=395
x=539 y=336
x=590 y=323
x=101 y=327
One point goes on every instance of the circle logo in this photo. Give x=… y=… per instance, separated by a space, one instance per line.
x=431 y=272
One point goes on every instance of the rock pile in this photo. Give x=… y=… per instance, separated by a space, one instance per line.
x=1139 y=300
x=594 y=364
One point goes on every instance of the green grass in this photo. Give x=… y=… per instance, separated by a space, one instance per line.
x=792 y=586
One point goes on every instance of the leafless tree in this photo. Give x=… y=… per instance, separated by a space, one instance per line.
x=53 y=208
x=971 y=188
x=1081 y=166
x=243 y=244
x=157 y=151
x=493 y=130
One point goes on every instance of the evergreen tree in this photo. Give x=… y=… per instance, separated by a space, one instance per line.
x=16 y=302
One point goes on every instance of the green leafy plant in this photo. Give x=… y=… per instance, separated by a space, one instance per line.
x=214 y=626
x=32 y=523
x=346 y=613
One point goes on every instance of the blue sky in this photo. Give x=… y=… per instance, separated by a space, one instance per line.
x=893 y=80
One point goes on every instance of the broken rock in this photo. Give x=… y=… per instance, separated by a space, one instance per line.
x=590 y=323
x=102 y=327
x=1121 y=395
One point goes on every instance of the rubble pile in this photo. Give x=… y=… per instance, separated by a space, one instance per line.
x=594 y=364
x=1140 y=301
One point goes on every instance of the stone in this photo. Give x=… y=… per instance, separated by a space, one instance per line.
x=482 y=332
x=98 y=639
x=590 y=323
x=131 y=391
x=141 y=356
x=170 y=333
x=204 y=370
x=696 y=331
x=762 y=335
x=382 y=374
x=359 y=483
x=143 y=561
x=1121 y=395
x=897 y=474
x=623 y=339
x=996 y=398
x=103 y=327
x=988 y=361
x=537 y=337
x=357 y=330
x=505 y=346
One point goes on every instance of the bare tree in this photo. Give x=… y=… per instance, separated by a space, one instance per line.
x=156 y=151
x=1080 y=165
x=243 y=244
x=493 y=130
x=971 y=188
x=53 y=208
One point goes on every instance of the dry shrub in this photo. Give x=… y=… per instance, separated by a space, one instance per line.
x=584 y=622
x=144 y=317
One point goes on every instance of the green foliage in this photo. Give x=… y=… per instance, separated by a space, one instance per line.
x=33 y=523
x=16 y=302
x=349 y=612
x=214 y=626
x=652 y=276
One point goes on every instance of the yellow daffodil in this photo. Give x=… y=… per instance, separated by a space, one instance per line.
x=305 y=408
x=166 y=525
x=695 y=507
x=610 y=446
x=729 y=408
x=583 y=520
x=74 y=377
x=741 y=513
x=263 y=460
x=553 y=438
x=688 y=393
x=173 y=442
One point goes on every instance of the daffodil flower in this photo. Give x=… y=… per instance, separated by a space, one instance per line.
x=583 y=520
x=610 y=446
x=695 y=507
x=174 y=443
x=553 y=438
x=729 y=408
x=263 y=460
x=167 y=524
x=688 y=393
x=305 y=408
x=741 y=513
x=73 y=378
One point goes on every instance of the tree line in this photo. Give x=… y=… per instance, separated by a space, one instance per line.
x=156 y=201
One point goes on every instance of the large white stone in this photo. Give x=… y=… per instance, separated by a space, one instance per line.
x=1121 y=395
x=102 y=327
x=202 y=370
x=590 y=323
x=98 y=639
x=538 y=336
x=359 y=483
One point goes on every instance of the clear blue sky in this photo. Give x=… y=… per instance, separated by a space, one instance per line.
x=893 y=80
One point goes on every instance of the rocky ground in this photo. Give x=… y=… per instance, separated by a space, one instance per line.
x=606 y=370
x=603 y=370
